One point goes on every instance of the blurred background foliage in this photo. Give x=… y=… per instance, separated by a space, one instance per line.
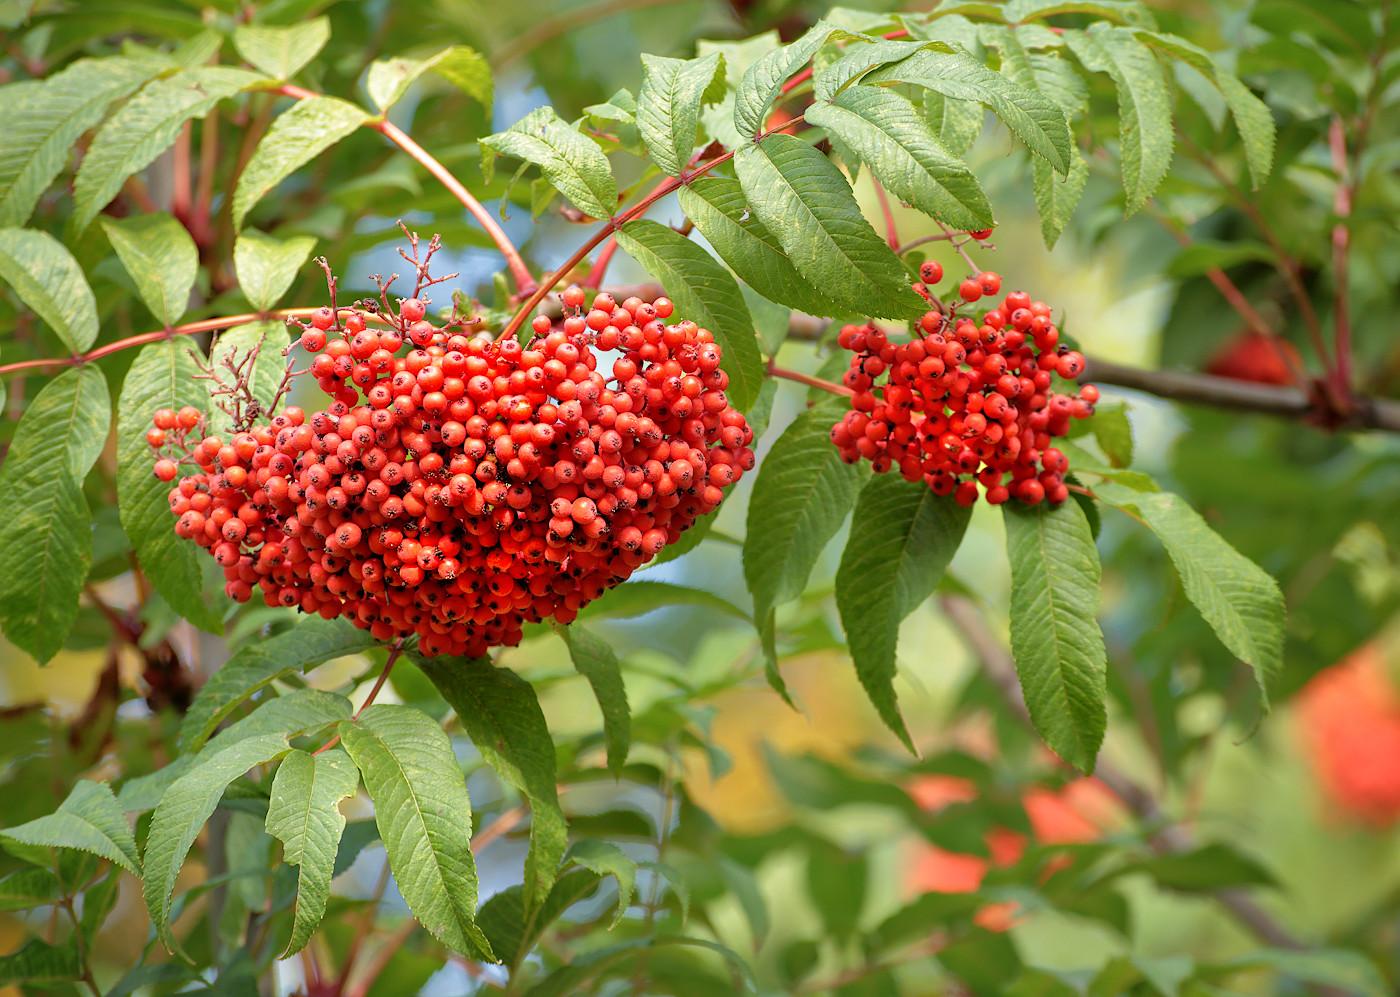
x=808 y=840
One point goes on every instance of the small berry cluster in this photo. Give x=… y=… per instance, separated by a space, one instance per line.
x=967 y=402
x=469 y=486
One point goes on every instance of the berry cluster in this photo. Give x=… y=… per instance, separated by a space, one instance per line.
x=468 y=486
x=968 y=402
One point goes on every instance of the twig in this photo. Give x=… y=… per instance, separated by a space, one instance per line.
x=808 y=379
x=1341 y=241
x=600 y=264
x=891 y=233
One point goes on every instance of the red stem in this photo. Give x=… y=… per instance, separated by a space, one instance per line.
x=891 y=233
x=600 y=265
x=809 y=380
x=1341 y=241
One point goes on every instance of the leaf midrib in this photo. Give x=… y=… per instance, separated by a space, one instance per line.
x=1055 y=628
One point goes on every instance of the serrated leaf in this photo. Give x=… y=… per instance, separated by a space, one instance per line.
x=717 y=207
x=266 y=266
x=621 y=107
x=678 y=886
x=956 y=122
x=162 y=376
x=460 y=65
x=45 y=527
x=718 y=120
x=264 y=375
x=259 y=664
x=161 y=258
x=902 y=538
x=304 y=814
x=763 y=80
x=424 y=817
x=1055 y=637
x=1123 y=11
x=296 y=137
x=27 y=889
x=1145 y=135
x=43 y=124
x=501 y=714
x=831 y=79
x=799 y=501
x=634 y=598
x=143 y=792
x=89 y=820
x=802 y=198
x=1033 y=117
x=300 y=712
x=150 y=974
x=888 y=134
x=1056 y=197
x=40 y=964
x=281 y=52
x=513 y=932
x=571 y=162
x=1241 y=602
x=668 y=106
x=146 y=126
x=594 y=659
x=42 y=271
x=706 y=293
x=1114 y=433
x=184 y=808
x=606 y=859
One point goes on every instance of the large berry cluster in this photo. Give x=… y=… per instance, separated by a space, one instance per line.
x=968 y=402
x=468 y=486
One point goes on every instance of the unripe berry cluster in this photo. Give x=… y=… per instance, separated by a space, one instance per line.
x=967 y=401
x=466 y=487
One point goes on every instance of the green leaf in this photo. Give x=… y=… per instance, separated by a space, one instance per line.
x=296 y=137
x=573 y=163
x=1144 y=105
x=266 y=266
x=706 y=293
x=265 y=374
x=424 y=817
x=28 y=888
x=1114 y=433
x=1335 y=968
x=1240 y=600
x=799 y=501
x=888 y=134
x=1206 y=869
x=594 y=659
x=678 y=887
x=764 y=79
x=43 y=124
x=45 y=527
x=717 y=207
x=281 y=52
x=1055 y=638
x=162 y=376
x=1124 y=11
x=304 y=814
x=43 y=273
x=668 y=106
x=902 y=538
x=300 y=712
x=513 y=932
x=259 y=664
x=460 y=65
x=718 y=120
x=956 y=122
x=1204 y=254
x=606 y=859
x=161 y=258
x=38 y=964
x=1036 y=119
x=146 y=126
x=831 y=79
x=1056 y=197
x=501 y=714
x=634 y=598
x=802 y=198
x=89 y=820
x=150 y=974
x=184 y=808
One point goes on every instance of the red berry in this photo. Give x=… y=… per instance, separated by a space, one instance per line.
x=991 y=282
x=931 y=272
x=412 y=310
x=323 y=318
x=970 y=290
x=313 y=340
x=981 y=234
x=573 y=296
x=166 y=469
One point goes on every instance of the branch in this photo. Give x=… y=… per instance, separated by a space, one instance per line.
x=1341 y=242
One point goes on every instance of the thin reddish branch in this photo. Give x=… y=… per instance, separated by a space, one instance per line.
x=808 y=379
x=600 y=265
x=891 y=233
x=180 y=176
x=1341 y=242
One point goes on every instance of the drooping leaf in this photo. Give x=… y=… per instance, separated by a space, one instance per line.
x=1114 y=433
x=1240 y=600
x=637 y=597
x=501 y=714
x=668 y=106
x=763 y=80
x=957 y=123
x=902 y=538
x=257 y=665
x=799 y=501
x=162 y=376
x=1206 y=869
x=45 y=527
x=43 y=273
x=266 y=266
x=513 y=932
x=89 y=820
x=146 y=126
x=706 y=293
x=161 y=258
x=888 y=134
x=296 y=137
x=462 y=66
x=1055 y=637
x=606 y=859
x=42 y=125
x=281 y=52
x=299 y=712
x=39 y=964
x=1145 y=136
x=802 y=198
x=594 y=659
x=1056 y=197
x=832 y=78
x=718 y=208
x=570 y=161
x=184 y=808
x=424 y=817
x=304 y=814
x=1122 y=11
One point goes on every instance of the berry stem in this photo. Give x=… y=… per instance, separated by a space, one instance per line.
x=808 y=379
x=951 y=236
x=519 y=272
x=394 y=653
x=891 y=233
x=911 y=244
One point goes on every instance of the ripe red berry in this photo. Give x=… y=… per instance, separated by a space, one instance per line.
x=313 y=340
x=166 y=469
x=323 y=318
x=573 y=296
x=412 y=310
x=931 y=272
x=970 y=290
x=981 y=234
x=991 y=282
